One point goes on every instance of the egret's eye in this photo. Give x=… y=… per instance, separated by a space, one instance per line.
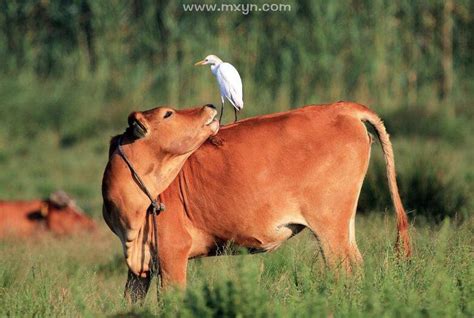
x=168 y=114
x=207 y=60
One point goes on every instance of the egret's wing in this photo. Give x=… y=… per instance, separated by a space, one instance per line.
x=230 y=84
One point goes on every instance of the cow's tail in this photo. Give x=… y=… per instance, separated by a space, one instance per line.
x=403 y=237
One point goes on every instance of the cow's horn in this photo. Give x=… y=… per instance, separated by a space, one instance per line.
x=60 y=198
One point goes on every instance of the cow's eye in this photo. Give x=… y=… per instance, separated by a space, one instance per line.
x=168 y=114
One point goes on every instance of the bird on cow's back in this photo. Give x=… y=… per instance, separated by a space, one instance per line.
x=230 y=83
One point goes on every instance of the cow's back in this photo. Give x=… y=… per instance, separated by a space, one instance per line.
x=20 y=218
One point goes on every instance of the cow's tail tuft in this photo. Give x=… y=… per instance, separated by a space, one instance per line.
x=403 y=238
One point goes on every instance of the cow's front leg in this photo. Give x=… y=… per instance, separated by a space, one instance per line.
x=136 y=287
x=174 y=266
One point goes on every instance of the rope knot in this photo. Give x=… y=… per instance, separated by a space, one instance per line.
x=157 y=208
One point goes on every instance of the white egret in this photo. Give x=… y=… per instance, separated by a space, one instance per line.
x=230 y=83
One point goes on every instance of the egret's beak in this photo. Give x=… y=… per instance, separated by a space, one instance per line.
x=203 y=62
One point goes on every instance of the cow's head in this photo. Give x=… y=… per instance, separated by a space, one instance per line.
x=157 y=143
x=63 y=216
x=174 y=132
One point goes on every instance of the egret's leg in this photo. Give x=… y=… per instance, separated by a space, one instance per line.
x=235 y=114
x=222 y=110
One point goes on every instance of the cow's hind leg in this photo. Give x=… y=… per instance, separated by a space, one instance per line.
x=336 y=235
x=136 y=287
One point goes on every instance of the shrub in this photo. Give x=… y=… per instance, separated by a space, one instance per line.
x=432 y=182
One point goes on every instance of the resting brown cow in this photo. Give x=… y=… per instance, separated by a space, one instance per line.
x=57 y=214
x=256 y=184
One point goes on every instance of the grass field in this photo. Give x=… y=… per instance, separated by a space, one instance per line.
x=84 y=276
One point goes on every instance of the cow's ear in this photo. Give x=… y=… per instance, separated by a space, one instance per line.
x=138 y=124
x=44 y=209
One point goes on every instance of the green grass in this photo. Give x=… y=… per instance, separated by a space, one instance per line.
x=84 y=276
x=434 y=176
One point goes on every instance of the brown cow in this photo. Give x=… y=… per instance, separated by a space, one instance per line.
x=57 y=214
x=256 y=184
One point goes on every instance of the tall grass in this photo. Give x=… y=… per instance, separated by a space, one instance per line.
x=379 y=52
x=84 y=276
x=435 y=180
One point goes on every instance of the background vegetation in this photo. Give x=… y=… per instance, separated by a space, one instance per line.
x=71 y=71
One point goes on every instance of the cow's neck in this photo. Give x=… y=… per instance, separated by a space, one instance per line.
x=157 y=170
x=165 y=171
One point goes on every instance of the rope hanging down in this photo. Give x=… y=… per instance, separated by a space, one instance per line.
x=156 y=207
